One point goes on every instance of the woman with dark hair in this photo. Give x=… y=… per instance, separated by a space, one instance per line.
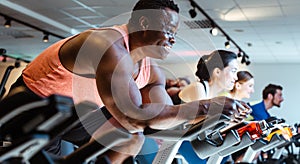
x=216 y=72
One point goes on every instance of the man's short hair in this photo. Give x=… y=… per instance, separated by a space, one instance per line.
x=148 y=8
x=270 y=89
x=155 y=4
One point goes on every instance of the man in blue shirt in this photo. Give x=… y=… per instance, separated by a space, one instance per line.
x=272 y=96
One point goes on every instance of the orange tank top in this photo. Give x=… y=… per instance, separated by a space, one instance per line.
x=45 y=75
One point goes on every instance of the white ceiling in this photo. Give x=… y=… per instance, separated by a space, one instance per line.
x=267 y=30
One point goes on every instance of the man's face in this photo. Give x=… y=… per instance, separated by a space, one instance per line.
x=161 y=35
x=277 y=98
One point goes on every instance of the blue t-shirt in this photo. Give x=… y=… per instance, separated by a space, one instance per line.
x=259 y=111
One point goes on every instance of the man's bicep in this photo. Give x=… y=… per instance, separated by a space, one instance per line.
x=155 y=91
x=116 y=86
x=155 y=94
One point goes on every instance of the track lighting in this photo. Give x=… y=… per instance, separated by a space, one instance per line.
x=193 y=12
x=244 y=59
x=46 y=38
x=227 y=44
x=7 y=23
x=214 y=31
x=9 y=19
x=240 y=53
x=247 y=62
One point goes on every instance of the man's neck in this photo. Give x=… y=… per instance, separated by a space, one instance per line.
x=268 y=104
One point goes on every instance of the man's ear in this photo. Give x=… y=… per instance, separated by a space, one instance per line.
x=270 y=96
x=144 y=23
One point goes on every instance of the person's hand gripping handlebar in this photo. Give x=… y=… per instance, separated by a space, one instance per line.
x=243 y=111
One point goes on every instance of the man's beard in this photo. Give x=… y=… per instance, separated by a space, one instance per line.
x=274 y=104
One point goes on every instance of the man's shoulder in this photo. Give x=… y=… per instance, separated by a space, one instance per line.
x=104 y=35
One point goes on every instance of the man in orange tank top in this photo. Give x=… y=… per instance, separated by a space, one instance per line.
x=111 y=67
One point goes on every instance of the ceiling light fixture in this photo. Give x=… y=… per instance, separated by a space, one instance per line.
x=7 y=23
x=240 y=53
x=193 y=12
x=227 y=44
x=248 y=62
x=46 y=38
x=214 y=31
x=245 y=59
